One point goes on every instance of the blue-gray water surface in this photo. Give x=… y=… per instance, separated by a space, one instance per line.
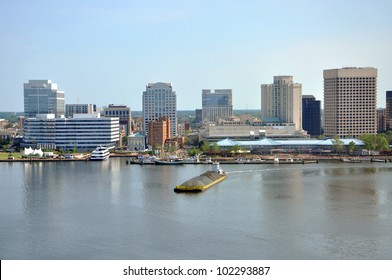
x=110 y=210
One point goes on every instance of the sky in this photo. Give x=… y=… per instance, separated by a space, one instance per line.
x=105 y=52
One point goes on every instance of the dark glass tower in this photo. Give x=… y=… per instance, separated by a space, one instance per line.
x=311 y=115
x=388 y=110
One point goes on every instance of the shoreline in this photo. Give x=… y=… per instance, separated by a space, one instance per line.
x=283 y=159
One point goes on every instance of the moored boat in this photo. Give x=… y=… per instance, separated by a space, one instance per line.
x=169 y=161
x=378 y=160
x=172 y=160
x=100 y=153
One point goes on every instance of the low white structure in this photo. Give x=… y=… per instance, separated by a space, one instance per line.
x=251 y=132
x=308 y=145
x=33 y=152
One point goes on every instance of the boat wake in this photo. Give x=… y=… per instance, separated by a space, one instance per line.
x=249 y=171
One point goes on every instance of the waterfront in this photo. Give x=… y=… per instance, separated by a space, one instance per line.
x=110 y=210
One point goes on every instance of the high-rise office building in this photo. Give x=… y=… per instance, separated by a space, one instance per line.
x=199 y=116
x=71 y=109
x=159 y=100
x=388 y=110
x=381 y=120
x=350 y=101
x=217 y=104
x=281 y=102
x=311 y=115
x=123 y=113
x=43 y=97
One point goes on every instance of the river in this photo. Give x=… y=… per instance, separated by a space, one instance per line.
x=111 y=210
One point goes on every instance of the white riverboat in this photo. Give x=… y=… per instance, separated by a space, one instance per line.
x=100 y=153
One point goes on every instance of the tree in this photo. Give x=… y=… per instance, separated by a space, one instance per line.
x=337 y=144
x=215 y=147
x=351 y=147
x=205 y=147
x=382 y=143
x=235 y=149
x=373 y=142
x=124 y=140
x=193 y=152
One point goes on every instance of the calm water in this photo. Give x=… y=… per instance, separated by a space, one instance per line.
x=110 y=210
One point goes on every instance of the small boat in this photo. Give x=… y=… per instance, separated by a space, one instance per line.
x=170 y=161
x=350 y=160
x=378 y=160
x=142 y=159
x=100 y=153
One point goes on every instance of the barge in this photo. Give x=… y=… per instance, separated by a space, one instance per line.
x=204 y=181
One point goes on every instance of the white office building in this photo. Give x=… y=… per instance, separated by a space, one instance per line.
x=281 y=102
x=84 y=132
x=159 y=100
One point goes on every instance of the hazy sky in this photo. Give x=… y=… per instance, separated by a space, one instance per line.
x=105 y=52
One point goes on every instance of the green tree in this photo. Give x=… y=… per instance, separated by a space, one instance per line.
x=235 y=149
x=124 y=140
x=337 y=144
x=193 y=152
x=215 y=147
x=388 y=136
x=373 y=142
x=351 y=147
x=205 y=147
x=382 y=143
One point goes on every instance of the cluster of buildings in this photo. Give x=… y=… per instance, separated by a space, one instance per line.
x=350 y=110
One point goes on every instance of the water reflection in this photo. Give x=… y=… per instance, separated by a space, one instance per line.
x=110 y=210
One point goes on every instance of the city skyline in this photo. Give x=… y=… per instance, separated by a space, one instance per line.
x=105 y=53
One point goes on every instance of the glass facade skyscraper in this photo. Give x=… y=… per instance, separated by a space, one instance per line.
x=388 y=110
x=311 y=115
x=216 y=104
x=43 y=97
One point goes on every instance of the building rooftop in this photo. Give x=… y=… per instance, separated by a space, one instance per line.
x=296 y=142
